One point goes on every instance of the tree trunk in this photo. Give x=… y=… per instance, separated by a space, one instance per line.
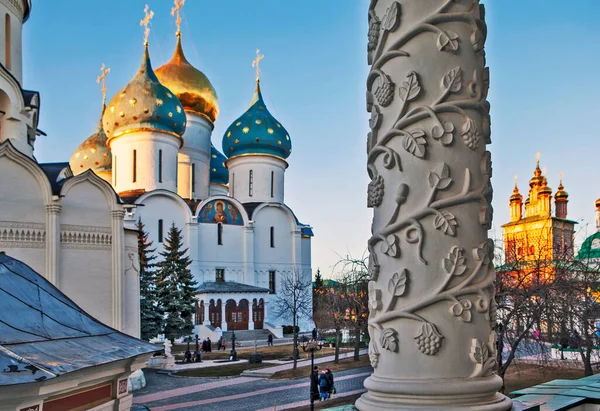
x=587 y=361
x=295 y=353
x=356 y=344
x=337 y=346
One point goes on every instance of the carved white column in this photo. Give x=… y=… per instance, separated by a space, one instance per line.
x=53 y=242
x=117 y=268
x=223 y=319
x=250 y=316
x=206 y=313
x=431 y=289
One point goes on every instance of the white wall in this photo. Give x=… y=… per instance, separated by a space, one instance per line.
x=195 y=150
x=261 y=167
x=147 y=145
x=218 y=190
x=131 y=285
x=229 y=256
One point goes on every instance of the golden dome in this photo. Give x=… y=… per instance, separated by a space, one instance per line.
x=190 y=85
x=93 y=154
x=597 y=203
x=561 y=194
x=545 y=189
x=516 y=196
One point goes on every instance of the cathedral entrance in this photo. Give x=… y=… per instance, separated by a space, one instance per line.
x=214 y=313
x=258 y=313
x=236 y=315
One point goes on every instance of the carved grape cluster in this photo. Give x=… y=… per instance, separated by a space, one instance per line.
x=429 y=339
x=373 y=37
x=375 y=192
x=470 y=134
x=384 y=91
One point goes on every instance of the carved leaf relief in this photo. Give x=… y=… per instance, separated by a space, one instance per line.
x=374 y=297
x=397 y=284
x=439 y=177
x=415 y=142
x=410 y=87
x=447 y=41
x=446 y=223
x=391 y=19
x=390 y=246
x=389 y=339
x=462 y=309
x=455 y=262
x=481 y=356
x=453 y=80
x=444 y=134
x=375 y=118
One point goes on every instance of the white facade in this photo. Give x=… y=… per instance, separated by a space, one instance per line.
x=194 y=158
x=257 y=178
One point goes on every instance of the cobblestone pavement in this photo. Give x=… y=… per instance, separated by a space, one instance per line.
x=164 y=392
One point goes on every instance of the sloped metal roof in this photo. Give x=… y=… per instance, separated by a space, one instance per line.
x=228 y=287
x=43 y=334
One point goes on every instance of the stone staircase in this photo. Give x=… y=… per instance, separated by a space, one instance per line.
x=248 y=336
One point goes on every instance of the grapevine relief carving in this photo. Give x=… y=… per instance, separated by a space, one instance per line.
x=467 y=287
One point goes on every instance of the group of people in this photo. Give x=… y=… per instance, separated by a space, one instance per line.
x=321 y=386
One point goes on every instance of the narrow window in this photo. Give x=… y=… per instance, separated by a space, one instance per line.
x=219 y=234
x=272 y=237
x=271 y=282
x=176 y=172
x=220 y=275
x=250 y=183
x=232 y=184
x=272 y=183
x=160 y=231
x=193 y=179
x=134 y=165
x=160 y=166
x=7 y=54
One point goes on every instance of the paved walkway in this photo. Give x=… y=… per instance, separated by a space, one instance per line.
x=164 y=392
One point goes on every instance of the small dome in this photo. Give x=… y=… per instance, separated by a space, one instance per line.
x=144 y=104
x=190 y=85
x=590 y=248
x=218 y=172
x=545 y=189
x=516 y=196
x=257 y=132
x=92 y=154
x=597 y=203
x=561 y=194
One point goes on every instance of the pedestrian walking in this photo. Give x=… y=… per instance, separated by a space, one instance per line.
x=223 y=343
x=209 y=344
x=204 y=345
x=329 y=375
x=219 y=344
x=324 y=386
x=314 y=384
x=314 y=333
x=270 y=340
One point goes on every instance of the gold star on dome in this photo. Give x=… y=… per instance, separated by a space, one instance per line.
x=214 y=156
x=159 y=102
x=270 y=130
x=246 y=129
x=258 y=121
x=178 y=109
x=228 y=133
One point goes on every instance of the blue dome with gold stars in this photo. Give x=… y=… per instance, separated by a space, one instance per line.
x=144 y=105
x=257 y=132
x=218 y=172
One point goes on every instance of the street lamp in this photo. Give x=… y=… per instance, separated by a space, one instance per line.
x=311 y=346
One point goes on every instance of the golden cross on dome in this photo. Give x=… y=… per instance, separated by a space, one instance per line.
x=148 y=14
x=259 y=57
x=516 y=178
x=560 y=176
x=537 y=157
x=175 y=10
x=104 y=70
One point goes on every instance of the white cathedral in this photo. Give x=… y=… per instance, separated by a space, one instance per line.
x=151 y=157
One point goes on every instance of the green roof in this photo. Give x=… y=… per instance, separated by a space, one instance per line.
x=590 y=247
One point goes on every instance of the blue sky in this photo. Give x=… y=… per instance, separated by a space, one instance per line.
x=543 y=57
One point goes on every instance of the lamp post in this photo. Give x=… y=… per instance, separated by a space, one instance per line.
x=311 y=346
x=233 y=354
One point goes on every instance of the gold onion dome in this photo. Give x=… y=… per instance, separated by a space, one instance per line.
x=561 y=193
x=190 y=85
x=144 y=105
x=93 y=154
x=537 y=178
x=597 y=203
x=545 y=189
x=516 y=196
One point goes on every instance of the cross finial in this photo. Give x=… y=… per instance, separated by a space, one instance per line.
x=145 y=23
x=560 y=176
x=255 y=63
x=175 y=11
x=537 y=157
x=516 y=179
x=100 y=80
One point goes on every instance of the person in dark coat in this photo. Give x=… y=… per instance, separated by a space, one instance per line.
x=208 y=344
x=314 y=333
x=314 y=384
x=270 y=340
x=204 y=345
x=329 y=375
x=324 y=386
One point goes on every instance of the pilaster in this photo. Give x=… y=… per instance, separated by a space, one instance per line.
x=223 y=319
x=248 y=263
x=206 y=313
x=53 y=242
x=250 y=315
x=431 y=291
x=117 y=268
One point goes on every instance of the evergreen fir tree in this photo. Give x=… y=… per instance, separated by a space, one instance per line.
x=318 y=281
x=176 y=287
x=150 y=317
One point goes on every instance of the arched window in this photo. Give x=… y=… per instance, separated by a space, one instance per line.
x=272 y=183
x=160 y=166
x=272 y=232
x=160 y=231
x=134 y=165
x=7 y=53
x=251 y=183
x=193 y=171
x=220 y=234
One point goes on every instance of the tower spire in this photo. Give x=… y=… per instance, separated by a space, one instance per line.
x=100 y=80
